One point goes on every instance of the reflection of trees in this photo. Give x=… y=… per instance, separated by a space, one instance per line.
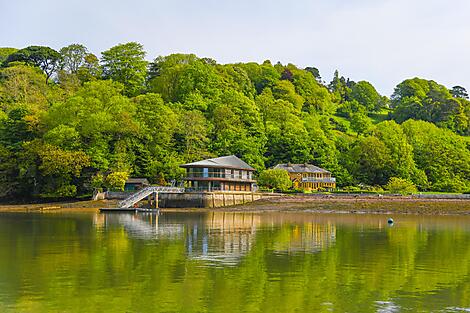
x=61 y=263
x=144 y=225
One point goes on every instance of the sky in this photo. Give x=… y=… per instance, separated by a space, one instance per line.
x=381 y=41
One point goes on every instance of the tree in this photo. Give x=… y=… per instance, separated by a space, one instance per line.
x=73 y=57
x=125 y=63
x=428 y=101
x=275 y=178
x=441 y=154
x=360 y=123
x=23 y=85
x=400 y=150
x=459 y=92
x=90 y=69
x=364 y=93
x=5 y=52
x=401 y=186
x=315 y=72
x=369 y=161
x=47 y=59
x=192 y=134
x=116 y=180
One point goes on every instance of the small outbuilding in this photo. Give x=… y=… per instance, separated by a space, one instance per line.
x=135 y=184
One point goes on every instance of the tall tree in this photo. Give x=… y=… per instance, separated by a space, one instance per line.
x=45 y=57
x=72 y=57
x=459 y=92
x=364 y=93
x=125 y=63
x=5 y=52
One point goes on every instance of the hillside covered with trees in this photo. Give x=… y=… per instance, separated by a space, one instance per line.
x=71 y=122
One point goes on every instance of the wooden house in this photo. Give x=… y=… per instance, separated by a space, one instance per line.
x=227 y=173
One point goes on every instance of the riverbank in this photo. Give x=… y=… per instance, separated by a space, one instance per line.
x=57 y=206
x=305 y=203
x=361 y=204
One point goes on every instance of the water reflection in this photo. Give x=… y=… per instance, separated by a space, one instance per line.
x=224 y=237
x=142 y=225
x=233 y=262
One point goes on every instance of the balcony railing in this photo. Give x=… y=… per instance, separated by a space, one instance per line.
x=318 y=180
x=196 y=189
x=217 y=175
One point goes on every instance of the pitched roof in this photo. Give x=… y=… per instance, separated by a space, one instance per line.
x=301 y=168
x=230 y=161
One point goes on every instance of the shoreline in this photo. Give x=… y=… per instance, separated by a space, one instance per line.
x=289 y=203
x=361 y=205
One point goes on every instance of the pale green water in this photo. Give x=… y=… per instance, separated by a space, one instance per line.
x=233 y=262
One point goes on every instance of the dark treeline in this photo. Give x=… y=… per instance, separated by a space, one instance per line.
x=71 y=122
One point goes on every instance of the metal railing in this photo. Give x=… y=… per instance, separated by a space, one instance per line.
x=141 y=194
x=197 y=189
x=318 y=180
x=218 y=175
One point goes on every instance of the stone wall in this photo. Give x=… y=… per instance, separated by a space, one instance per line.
x=207 y=199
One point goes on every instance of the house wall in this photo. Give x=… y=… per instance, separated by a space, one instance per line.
x=298 y=184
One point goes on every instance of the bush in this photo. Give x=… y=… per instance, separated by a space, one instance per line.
x=117 y=180
x=275 y=178
x=352 y=189
x=401 y=186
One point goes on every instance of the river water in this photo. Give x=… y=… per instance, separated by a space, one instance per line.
x=233 y=262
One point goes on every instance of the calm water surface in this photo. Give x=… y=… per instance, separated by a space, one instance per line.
x=233 y=262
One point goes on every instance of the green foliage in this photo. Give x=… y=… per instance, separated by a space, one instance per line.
x=73 y=58
x=5 y=53
x=360 y=123
x=47 y=59
x=401 y=186
x=116 y=180
x=119 y=117
x=275 y=178
x=364 y=93
x=443 y=156
x=428 y=101
x=125 y=63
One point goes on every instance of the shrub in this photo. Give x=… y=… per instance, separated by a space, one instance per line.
x=117 y=180
x=401 y=186
x=275 y=178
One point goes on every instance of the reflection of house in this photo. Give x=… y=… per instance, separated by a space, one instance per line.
x=134 y=184
x=308 y=176
x=227 y=173
x=309 y=237
x=225 y=237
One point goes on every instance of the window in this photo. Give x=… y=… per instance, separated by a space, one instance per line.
x=205 y=172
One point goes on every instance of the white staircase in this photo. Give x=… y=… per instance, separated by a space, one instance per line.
x=142 y=194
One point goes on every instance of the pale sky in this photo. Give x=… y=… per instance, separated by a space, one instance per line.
x=381 y=41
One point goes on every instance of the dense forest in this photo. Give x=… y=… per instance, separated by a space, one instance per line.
x=71 y=121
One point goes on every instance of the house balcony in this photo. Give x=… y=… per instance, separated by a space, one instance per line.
x=318 y=180
x=218 y=176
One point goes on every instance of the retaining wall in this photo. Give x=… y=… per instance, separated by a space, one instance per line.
x=207 y=199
